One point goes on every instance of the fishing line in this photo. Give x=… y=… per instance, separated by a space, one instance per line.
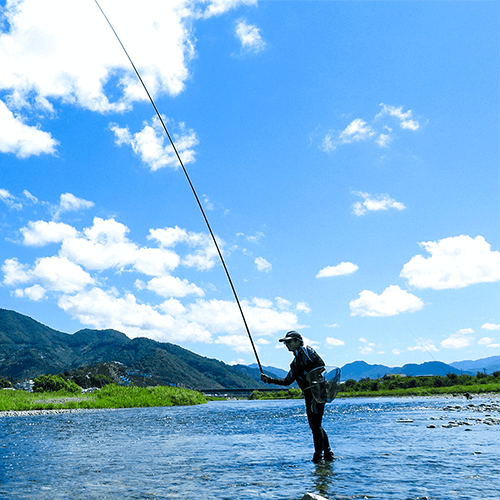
x=190 y=184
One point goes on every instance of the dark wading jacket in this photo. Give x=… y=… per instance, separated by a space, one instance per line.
x=306 y=359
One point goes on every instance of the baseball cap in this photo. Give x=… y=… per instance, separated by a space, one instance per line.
x=291 y=335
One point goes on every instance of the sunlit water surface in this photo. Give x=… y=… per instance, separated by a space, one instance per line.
x=239 y=450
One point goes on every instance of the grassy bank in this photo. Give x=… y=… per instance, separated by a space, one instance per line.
x=110 y=396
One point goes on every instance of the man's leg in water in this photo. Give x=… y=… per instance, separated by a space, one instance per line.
x=320 y=438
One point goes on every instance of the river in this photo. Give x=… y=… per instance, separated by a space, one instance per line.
x=239 y=450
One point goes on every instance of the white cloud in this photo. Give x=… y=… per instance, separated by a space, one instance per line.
x=360 y=130
x=105 y=246
x=342 y=269
x=303 y=307
x=334 y=342
x=77 y=275
x=10 y=200
x=263 y=265
x=390 y=302
x=15 y=272
x=259 y=302
x=249 y=36
x=35 y=293
x=374 y=203
x=61 y=275
x=283 y=303
x=171 y=286
x=106 y=309
x=357 y=130
x=20 y=139
x=485 y=341
x=455 y=262
x=328 y=143
x=217 y=7
x=53 y=273
x=459 y=340
x=383 y=140
x=405 y=120
x=223 y=316
x=253 y=239
x=424 y=345
x=40 y=233
x=205 y=255
x=491 y=326
x=44 y=61
x=367 y=347
x=153 y=146
x=70 y=203
x=239 y=343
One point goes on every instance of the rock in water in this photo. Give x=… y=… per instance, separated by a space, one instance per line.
x=312 y=496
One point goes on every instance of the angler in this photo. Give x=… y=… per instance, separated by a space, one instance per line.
x=306 y=369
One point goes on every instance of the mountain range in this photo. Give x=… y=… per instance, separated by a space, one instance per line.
x=29 y=349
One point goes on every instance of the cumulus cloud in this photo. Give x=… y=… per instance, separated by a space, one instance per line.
x=154 y=148
x=41 y=233
x=52 y=273
x=490 y=326
x=334 y=342
x=454 y=262
x=249 y=36
x=108 y=309
x=224 y=316
x=35 y=292
x=459 y=340
x=390 y=302
x=489 y=343
x=342 y=269
x=93 y=268
x=171 y=286
x=239 y=343
x=205 y=254
x=21 y=139
x=374 y=203
x=70 y=203
x=263 y=265
x=43 y=60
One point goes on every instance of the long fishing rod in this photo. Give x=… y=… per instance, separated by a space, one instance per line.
x=190 y=184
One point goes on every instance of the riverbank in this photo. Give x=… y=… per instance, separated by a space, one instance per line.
x=110 y=396
x=404 y=387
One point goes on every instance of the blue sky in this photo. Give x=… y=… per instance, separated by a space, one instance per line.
x=346 y=154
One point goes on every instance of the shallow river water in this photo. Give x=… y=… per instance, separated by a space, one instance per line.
x=238 y=450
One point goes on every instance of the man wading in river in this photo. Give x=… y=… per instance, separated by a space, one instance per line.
x=304 y=369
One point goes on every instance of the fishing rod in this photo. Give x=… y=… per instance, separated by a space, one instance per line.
x=190 y=184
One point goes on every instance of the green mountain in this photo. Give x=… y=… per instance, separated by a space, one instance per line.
x=29 y=348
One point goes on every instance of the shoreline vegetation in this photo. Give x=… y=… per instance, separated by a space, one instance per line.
x=402 y=386
x=110 y=396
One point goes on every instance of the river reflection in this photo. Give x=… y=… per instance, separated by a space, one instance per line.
x=239 y=450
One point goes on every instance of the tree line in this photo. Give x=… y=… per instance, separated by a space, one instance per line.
x=394 y=382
